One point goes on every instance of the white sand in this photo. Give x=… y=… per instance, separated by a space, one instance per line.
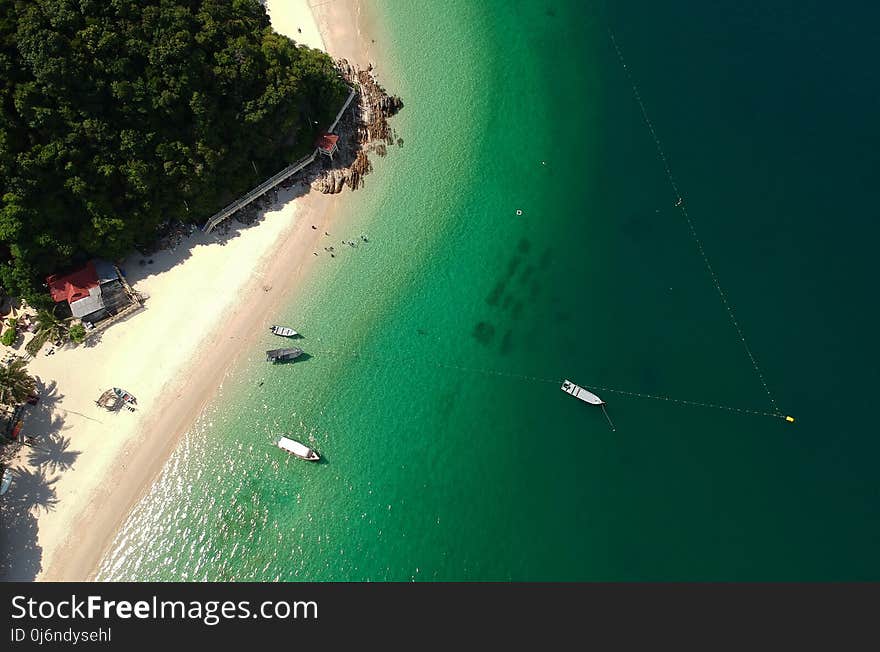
x=208 y=302
x=143 y=355
x=294 y=18
x=348 y=29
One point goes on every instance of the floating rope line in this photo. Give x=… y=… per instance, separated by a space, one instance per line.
x=702 y=404
x=693 y=231
x=610 y=422
x=558 y=381
x=446 y=365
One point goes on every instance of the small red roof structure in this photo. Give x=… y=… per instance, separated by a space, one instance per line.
x=327 y=143
x=74 y=286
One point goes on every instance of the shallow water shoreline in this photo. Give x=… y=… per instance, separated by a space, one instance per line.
x=220 y=315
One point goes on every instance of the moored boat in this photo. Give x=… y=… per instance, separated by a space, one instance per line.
x=299 y=450
x=579 y=392
x=283 y=331
x=587 y=397
x=283 y=355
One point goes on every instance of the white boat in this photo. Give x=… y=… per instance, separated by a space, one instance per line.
x=587 y=397
x=7 y=480
x=295 y=448
x=284 y=331
x=579 y=392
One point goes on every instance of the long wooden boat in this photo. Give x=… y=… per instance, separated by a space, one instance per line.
x=283 y=331
x=283 y=355
x=299 y=450
x=579 y=392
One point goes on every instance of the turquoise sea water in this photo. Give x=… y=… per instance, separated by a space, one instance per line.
x=438 y=346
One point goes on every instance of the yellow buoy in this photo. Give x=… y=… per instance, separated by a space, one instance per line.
x=789 y=419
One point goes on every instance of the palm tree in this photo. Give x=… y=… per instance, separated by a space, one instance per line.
x=15 y=383
x=49 y=327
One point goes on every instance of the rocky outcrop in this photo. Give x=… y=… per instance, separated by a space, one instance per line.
x=334 y=179
x=363 y=130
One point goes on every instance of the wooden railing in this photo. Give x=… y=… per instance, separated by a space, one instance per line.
x=260 y=190
x=341 y=111
x=273 y=181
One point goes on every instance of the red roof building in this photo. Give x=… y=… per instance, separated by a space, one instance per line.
x=327 y=143
x=75 y=286
x=94 y=292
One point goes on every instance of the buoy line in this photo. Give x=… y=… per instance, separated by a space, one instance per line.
x=690 y=403
x=558 y=381
x=680 y=204
x=446 y=365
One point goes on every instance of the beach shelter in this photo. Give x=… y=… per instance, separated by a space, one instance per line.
x=327 y=144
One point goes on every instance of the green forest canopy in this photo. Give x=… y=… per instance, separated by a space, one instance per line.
x=118 y=115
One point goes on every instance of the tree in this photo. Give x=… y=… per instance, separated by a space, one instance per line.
x=15 y=383
x=77 y=333
x=118 y=116
x=8 y=338
x=50 y=328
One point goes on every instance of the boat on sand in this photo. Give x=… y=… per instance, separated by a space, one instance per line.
x=115 y=399
x=125 y=396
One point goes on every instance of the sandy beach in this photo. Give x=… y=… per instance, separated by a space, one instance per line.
x=348 y=30
x=209 y=299
x=294 y=18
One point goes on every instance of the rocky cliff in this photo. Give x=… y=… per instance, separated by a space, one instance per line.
x=363 y=130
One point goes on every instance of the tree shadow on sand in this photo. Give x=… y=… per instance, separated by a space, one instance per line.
x=160 y=257
x=49 y=396
x=31 y=489
x=20 y=554
x=41 y=418
x=93 y=340
x=53 y=452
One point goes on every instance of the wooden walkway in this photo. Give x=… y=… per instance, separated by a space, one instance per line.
x=260 y=190
x=137 y=302
x=341 y=111
x=274 y=180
